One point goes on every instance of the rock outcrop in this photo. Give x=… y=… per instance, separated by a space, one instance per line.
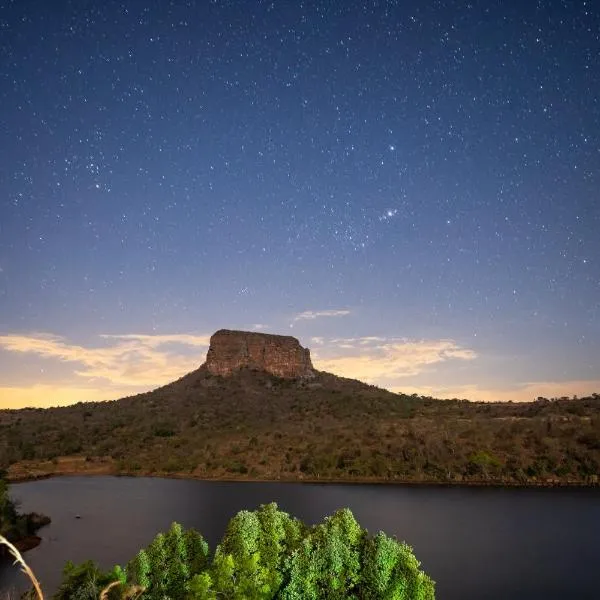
x=280 y=355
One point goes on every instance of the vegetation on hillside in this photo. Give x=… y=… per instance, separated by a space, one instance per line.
x=256 y=426
x=265 y=554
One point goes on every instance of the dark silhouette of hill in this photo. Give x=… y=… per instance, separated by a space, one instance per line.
x=254 y=425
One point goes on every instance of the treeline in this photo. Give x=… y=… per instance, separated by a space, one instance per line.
x=265 y=554
x=255 y=426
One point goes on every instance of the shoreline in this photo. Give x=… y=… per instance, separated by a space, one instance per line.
x=16 y=479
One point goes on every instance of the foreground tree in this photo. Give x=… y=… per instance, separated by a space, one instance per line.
x=264 y=554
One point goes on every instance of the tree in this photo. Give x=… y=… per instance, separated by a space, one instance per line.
x=379 y=558
x=197 y=552
x=178 y=572
x=238 y=560
x=280 y=536
x=138 y=570
x=168 y=565
x=85 y=581
x=249 y=562
x=482 y=463
x=417 y=585
x=327 y=563
x=158 y=571
x=391 y=572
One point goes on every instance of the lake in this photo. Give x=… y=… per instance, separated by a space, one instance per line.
x=491 y=543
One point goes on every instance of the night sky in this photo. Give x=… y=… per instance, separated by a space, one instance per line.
x=410 y=188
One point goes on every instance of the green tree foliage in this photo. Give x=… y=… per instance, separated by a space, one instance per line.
x=86 y=581
x=178 y=571
x=264 y=554
x=280 y=536
x=166 y=568
x=138 y=570
x=197 y=551
x=250 y=559
x=202 y=587
x=391 y=572
x=223 y=574
x=327 y=563
x=159 y=568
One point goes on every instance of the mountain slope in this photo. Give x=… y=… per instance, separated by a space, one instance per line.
x=255 y=425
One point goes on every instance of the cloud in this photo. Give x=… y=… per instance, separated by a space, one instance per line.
x=158 y=340
x=309 y=315
x=135 y=360
x=380 y=360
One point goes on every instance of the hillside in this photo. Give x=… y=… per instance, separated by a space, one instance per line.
x=255 y=425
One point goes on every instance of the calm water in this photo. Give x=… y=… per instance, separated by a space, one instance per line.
x=475 y=543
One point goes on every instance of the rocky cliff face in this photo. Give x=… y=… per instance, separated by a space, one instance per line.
x=279 y=355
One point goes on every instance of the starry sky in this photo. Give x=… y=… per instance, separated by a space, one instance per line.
x=410 y=188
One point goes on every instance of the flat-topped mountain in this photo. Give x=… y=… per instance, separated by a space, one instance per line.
x=257 y=409
x=279 y=355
